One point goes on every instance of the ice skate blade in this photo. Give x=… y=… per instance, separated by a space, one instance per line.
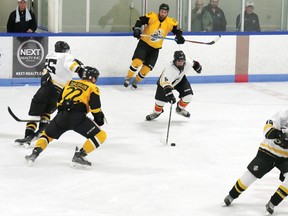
x=80 y=166
x=22 y=145
x=30 y=162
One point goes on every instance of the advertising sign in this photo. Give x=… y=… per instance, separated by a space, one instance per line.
x=29 y=56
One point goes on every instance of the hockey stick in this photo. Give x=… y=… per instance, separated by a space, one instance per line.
x=191 y=41
x=20 y=120
x=169 y=122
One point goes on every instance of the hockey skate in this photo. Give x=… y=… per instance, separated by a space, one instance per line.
x=153 y=115
x=79 y=159
x=134 y=84
x=25 y=141
x=182 y=112
x=269 y=208
x=35 y=153
x=127 y=81
x=228 y=200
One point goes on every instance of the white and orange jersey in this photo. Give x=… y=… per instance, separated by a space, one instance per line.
x=171 y=75
x=278 y=121
x=61 y=67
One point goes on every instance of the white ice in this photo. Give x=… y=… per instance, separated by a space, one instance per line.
x=134 y=173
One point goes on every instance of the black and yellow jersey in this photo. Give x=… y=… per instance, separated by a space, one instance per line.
x=155 y=27
x=82 y=92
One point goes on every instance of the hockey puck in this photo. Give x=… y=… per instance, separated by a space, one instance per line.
x=173 y=144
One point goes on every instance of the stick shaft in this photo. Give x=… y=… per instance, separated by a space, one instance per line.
x=190 y=41
x=169 y=122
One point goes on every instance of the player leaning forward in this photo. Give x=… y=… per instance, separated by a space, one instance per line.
x=79 y=97
x=60 y=66
x=273 y=152
x=145 y=56
x=174 y=77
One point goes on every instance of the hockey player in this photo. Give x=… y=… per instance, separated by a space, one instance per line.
x=147 y=50
x=273 y=152
x=58 y=70
x=78 y=98
x=174 y=77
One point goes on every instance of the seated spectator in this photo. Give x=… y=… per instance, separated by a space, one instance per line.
x=251 y=20
x=218 y=16
x=22 y=19
x=201 y=19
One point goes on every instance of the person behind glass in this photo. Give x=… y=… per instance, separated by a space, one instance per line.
x=272 y=153
x=201 y=19
x=22 y=19
x=218 y=16
x=145 y=56
x=251 y=20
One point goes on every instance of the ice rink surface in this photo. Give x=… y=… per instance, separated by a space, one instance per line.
x=134 y=173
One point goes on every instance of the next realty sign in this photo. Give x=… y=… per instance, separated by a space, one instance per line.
x=29 y=56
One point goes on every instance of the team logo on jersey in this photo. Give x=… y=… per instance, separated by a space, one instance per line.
x=30 y=53
x=157 y=35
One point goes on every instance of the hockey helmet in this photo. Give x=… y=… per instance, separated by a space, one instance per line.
x=62 y=47
x=164 y=6
x=90 y=72
x=179 y=55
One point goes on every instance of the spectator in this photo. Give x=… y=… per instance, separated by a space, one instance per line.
x=22 y=19
x=201 y=19
x=218 y=16
x=251 y=20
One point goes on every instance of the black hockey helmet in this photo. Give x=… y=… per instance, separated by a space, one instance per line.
x=90 y=72
x=164 y=6
x=179 y=55
x=62 y=47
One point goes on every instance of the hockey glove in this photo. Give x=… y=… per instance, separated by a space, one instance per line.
x=169 y=95
x=179 y=39
x=137 y=32
x=45 y=78
x=197 y=67
x=80 y=68
x=99 y=118
x=284 y=141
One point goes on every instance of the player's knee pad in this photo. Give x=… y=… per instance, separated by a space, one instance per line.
x=136 y=63
x=94 y=142
x=187 y=99
x=101 y=136
x=43 y=141
x=145 y=70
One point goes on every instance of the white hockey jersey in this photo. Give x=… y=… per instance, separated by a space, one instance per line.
x=278 y=121
x=61 y=67
x=171 y=75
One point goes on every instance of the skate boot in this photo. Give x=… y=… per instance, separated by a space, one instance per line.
x=79 y=158
x=134 y=84
x=269 y=208
x=182 y=112
x=25 y=141
x=153 y=115
x=127 y=81
x=35 y=153
x=228 y=200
